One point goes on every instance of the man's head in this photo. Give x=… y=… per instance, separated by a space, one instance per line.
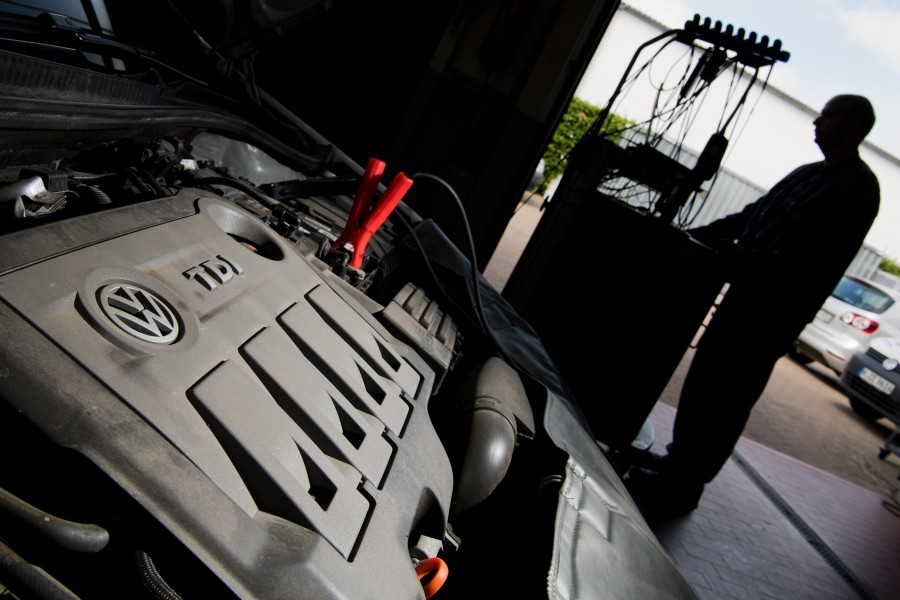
x=843 y=124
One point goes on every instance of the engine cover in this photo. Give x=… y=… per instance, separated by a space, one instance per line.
x=236 y=391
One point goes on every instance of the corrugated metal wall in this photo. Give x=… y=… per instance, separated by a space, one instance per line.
x=888 y=279
x=866 y=264
x=727 y=194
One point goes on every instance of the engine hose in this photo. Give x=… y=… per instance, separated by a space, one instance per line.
x=95 y=194
x=499 y=414
x=27 y=580
x=285 y=216
x=80 y=537
x=251 y=191
x=153 y=581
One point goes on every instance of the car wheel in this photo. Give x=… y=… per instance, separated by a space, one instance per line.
x=863 y=409
x=799 y=357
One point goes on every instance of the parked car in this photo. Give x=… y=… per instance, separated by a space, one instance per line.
x=236 y=364
x=856 y=312
x=871 y=380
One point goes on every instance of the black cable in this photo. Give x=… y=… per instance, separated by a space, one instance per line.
x=482 y=317
x=469 y=239
x=736 y=75
x=132 y=176
x=151 y=578
x=286 y=219
x=763 y=85
x=153 y=182
x=688 y=219
x=428 y=265
x=263 y=199
x=246 y=75
x=601 y=119
x=681 y=105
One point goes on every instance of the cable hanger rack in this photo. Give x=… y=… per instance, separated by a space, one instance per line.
x=641 y=167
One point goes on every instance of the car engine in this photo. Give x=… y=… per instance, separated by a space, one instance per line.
x=235 y=364
x=177 y=339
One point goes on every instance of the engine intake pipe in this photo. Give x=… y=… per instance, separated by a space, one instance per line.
x=498 y=411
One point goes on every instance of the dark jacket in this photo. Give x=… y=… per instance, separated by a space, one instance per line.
x=799 y=238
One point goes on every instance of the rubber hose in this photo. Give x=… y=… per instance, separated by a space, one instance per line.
x=498 y=413
x=25 y=579
x=79 y=537
x=492 y=440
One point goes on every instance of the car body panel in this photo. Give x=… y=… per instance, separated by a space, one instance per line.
x=873 y=378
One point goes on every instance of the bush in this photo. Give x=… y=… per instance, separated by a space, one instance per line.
x=580 y=115
x=889 y=266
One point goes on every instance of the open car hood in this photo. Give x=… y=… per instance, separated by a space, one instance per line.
x=237 y=364
x=239 y=28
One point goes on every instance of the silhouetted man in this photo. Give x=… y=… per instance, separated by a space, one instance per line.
x=786 y=251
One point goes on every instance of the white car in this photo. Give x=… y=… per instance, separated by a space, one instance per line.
x=856 y=312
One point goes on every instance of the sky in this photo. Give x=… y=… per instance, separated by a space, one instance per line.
x=835 y=46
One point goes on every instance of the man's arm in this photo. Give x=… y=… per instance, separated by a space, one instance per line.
x=723 y=231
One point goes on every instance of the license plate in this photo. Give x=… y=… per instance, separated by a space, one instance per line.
x=824 y=315
x=876 y=381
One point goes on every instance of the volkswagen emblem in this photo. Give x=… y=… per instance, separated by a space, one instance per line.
x=889 y=364
x=139 y=313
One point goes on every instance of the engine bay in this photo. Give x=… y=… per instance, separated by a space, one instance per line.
x=232 y=356
x=238 y=364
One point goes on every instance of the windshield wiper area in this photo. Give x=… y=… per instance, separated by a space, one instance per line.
x=62 y=29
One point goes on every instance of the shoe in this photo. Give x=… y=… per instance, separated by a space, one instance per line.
x=620 y=461
x=654 y=461
x=621 y=458
x=661 y=494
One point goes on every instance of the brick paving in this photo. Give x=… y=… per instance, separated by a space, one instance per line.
x=772 y=527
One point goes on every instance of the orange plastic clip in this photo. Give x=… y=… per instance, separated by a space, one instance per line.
x=365 y=218
x=439 y=572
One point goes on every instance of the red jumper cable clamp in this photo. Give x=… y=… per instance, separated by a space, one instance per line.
x=365 y=217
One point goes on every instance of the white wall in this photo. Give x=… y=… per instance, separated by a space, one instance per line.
x=774 y=133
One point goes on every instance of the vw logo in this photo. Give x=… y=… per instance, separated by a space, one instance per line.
x=139 y=313
x=889 y=364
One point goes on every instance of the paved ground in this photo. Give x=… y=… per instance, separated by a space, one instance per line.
x=802 y=413
x=770 y=527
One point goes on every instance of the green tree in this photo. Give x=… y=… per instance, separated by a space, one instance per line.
x=580 y=115
x=889 y=266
